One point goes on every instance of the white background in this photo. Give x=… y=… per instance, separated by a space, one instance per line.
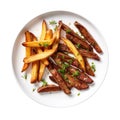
x=104 y=104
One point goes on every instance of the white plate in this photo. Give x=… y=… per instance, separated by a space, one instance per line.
x=58 y=99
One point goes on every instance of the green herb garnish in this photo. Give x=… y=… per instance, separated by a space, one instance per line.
x=68 y=31
x=33 y=89
x=55 y=28
x=66 y=65
x=78 y=94
x=44 y=83
x=45 y=45
x=70 y=61
x=53 y=22
x=62 y=71
x=93 y=67
x=24 y=76
x=78 y=45
x=76 y=73
x=63 y=56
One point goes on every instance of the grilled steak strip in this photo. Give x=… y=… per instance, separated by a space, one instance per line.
x=67 y=58
x=58 y=78
x=80 y=42
x=63 y=48
x=89 y=54
x=88 y=36
x=89 y=70
x=85 y=53
x=69 y=30
x=80 y=85
x=48 y=88
x=67 y=83
x=82 y=76
x=74 y=71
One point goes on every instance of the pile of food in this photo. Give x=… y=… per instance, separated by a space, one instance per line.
x=64 y=53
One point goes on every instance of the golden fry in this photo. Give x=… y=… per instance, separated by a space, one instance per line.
x=34 y=72
x=28 y=37
x=41 y=71
x=49 y=34
x=41 y=43
x=75 y=52
x=44 y=30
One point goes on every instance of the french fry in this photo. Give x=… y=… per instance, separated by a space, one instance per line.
x=41 y=70
x=44 y=30
x=75 y=52
x=46 y=53
x=34 y=72
x=28 y=37
x=35 y=65
x=49 y=34
x=41 y=43
x=43 y=62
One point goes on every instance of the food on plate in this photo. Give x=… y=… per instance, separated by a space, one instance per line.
x=48 y=88
x=64 y=54
x=28 y=38
x=88 y=36
x=75 y=52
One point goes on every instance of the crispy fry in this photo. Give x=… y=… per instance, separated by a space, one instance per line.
x=41 y=56
x=43 y=62
x=46 y=53
x=49 y=34
x=80 y=42
x=44 y=30
x=35 y=64
x=28 y=37
x=41 y=43
x=34 y=72
x=41 y=70
x=75 y=52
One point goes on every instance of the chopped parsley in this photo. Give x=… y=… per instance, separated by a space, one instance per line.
x=33 y=89
x=52 y=22
x=70 y=61
x=93 y=66
x=44 y=83
x=78 y=94
x=45 y=45
x=63 y=69
x=55 y=28
x=78 y=45
x=68 y=31
x=76 y=73
x=66 y=65
x=63 y=56
x=65 y=78
x=24 y=76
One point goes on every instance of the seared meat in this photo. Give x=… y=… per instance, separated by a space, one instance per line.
x=89 y=70
x=58 y=78
x=48 y=88
x=88 y=36
x=80 y=42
